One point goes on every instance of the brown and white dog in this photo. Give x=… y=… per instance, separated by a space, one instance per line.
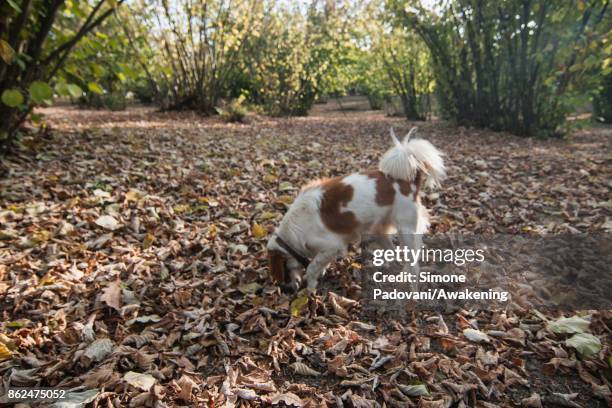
x=329 y=214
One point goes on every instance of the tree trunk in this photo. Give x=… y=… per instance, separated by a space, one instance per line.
x=410 y=109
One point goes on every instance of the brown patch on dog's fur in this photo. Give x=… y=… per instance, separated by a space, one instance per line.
x=278 y=271
x=385 y=193
x=404 y=186
x=419 y=180
x=316 y=183
x=336 y=195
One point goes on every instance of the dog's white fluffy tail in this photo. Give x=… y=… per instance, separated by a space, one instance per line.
x=405 y=158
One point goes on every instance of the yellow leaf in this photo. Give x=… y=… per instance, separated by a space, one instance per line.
x=5 y=353
x=298 y=305
x=210 y=201
x=15 y=208
x=42 y=236
x=7 y=53
x=8 y=342
x=17 y=324
x=258 y=231
x=181 y=208
x=270 y=178
x=133 y=195
x=267 y=215
x=148 y=240
x=284 y=199
x=249 y=287
x=47 y=280
x=212 y=230
x=73 y=202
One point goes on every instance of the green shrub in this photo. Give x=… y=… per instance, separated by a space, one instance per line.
x=518 y=66
x=114 y=101
x=234 y=111
x=602 y=102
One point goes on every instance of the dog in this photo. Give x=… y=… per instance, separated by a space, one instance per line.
x=329 y=214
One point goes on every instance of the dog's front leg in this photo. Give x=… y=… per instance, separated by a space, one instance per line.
x=318 y=265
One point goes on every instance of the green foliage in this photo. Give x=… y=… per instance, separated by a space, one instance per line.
x=283 y=84
x=40 y=92
x=12 y=98
x=514 y=65
x=114 y=101
x=395 y=62
x=234 y=111
x=200 y=48
x=36 y=39
x=602 y=102
x=95 y=88
x=300 y=57
x=107 y=65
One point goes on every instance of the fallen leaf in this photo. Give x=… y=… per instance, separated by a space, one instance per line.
x=415 y=390
x=288 y=399
x=534 y=401
x=297 y=305
x=111 y=295
x=574 y=324
x=76 y=399
x=585 y=343
x=5 y=353
x=141 y=381
x=285 y=186
x=98 y=350
x=476 y=336
x=133 y=195
x=108 y=222
x=148 y=241
x=303 y=369
x=249 y=287
x=258 y=231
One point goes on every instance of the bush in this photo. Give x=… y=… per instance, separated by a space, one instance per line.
x=514 y=65
x=203 y=61
x=299 y=59
x=235 y=111
x=114 y=101
x=602 y=102
x=376 y=101
x=35 y=41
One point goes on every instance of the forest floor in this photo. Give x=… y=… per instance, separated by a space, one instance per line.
x=133 y=265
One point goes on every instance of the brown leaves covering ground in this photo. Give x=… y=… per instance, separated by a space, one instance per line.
x=132 y=264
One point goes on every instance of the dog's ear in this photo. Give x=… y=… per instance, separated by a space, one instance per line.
x=396 y=142
x=407 y=137
x=278 y=271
